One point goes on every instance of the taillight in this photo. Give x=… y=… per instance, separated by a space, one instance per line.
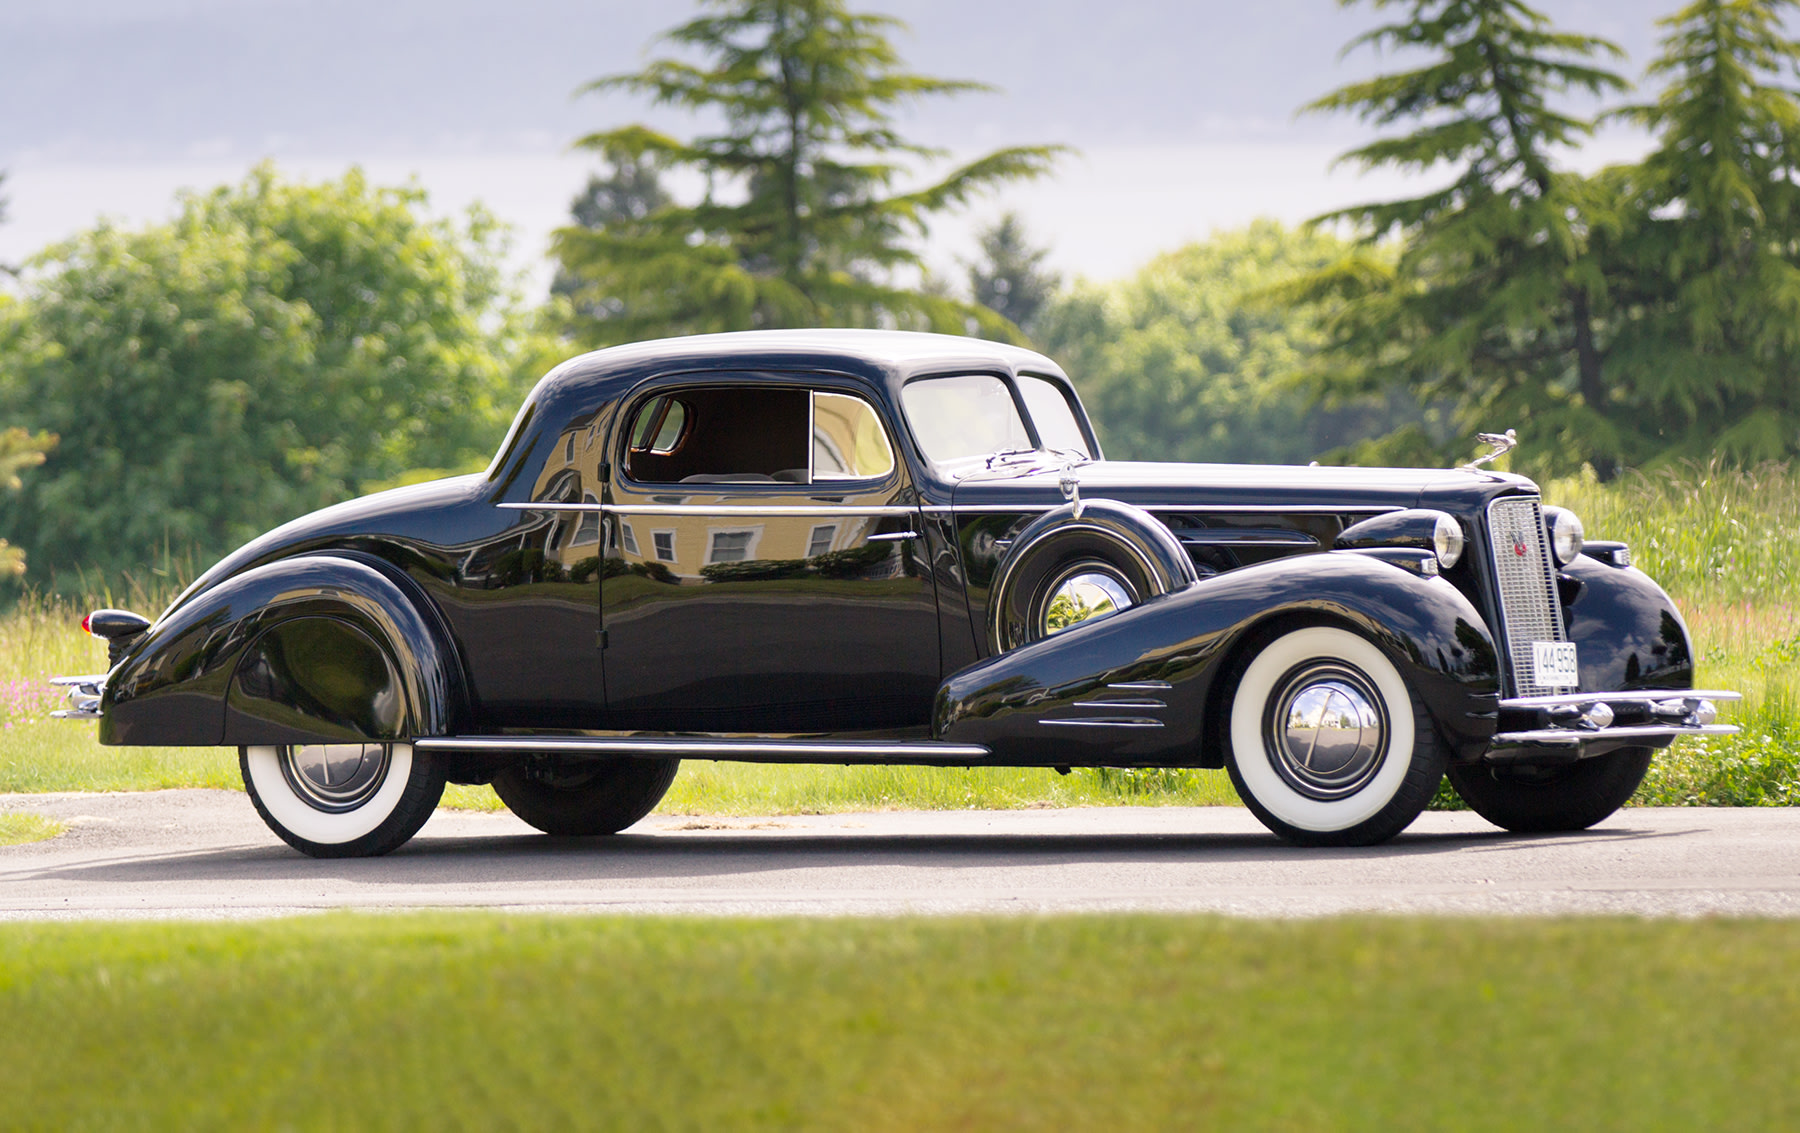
x=84 y=623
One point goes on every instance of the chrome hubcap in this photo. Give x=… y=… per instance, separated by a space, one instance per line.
x=335 y=777
x=1326 y=732
x=1082 y=592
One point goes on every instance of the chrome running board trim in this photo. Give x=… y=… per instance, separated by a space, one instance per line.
x=716 y=747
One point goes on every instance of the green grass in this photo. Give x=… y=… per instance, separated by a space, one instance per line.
x=1723 y=542
x=901 y=1024
x=16 y=829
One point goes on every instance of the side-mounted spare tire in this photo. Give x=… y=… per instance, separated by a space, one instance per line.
x=1078 y=561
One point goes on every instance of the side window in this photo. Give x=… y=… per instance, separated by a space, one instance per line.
x=848 y=442
x=659 y=427
x=756 y=434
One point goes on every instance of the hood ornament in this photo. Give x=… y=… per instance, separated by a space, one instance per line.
x=1503 y=443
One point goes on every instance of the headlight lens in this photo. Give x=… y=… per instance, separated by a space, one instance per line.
x=1447 y=541
x=1566 y=534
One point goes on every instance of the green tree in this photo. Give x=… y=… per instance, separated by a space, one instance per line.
x=278 y=347
x=1494 y=302
x=616 y=201
x=1708 y=254
x=802 y=223
x=19 y=450
x=1183 y=361
x=1010 y=278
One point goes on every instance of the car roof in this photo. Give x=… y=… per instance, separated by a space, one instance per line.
x=886 y=357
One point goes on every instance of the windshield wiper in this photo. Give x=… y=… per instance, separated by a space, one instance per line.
x=1008 y=454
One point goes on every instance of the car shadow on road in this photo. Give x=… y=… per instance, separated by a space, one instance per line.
x=452 y=861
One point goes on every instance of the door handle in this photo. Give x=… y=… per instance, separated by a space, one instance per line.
x=893 y=537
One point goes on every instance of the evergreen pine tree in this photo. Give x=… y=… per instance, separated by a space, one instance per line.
x=1010 y=278
x=1493 y=302
x=802 y=223
x=1711 y=258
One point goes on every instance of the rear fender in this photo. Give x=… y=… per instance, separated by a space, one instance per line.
x=1136 y=687
x=320 y=647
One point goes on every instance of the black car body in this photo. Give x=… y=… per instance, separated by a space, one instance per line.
x=858 y=546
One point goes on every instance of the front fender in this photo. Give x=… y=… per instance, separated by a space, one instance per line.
x=314 y=647
x=1627 y=631
x=1136 y=687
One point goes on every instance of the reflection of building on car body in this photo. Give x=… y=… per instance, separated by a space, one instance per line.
x=874 y=547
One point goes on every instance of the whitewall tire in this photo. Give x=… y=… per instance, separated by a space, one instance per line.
x=342 y=800
x=1328 y=745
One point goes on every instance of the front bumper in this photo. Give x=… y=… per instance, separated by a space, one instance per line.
x=1579 y=723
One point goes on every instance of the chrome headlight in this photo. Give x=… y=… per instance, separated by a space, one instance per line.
x=1447 y=541
x=1566 y=534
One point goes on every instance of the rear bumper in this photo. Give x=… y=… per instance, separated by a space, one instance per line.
x=84 y=696
x=1592 y=723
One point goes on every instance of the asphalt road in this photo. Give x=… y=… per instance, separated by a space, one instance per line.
x=204 y=854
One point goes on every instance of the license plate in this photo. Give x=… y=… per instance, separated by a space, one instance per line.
x=1553 y=664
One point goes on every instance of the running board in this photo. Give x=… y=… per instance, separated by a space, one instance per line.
x=716 y=747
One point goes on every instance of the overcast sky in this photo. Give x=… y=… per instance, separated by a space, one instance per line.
x=1183 y=109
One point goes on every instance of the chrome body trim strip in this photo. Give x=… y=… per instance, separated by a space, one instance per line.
x=1145 y=686
x=801 y=508
x=1183 y=509
x=1224 y=537
x=1146 y=704
x=712 y=746
x=1122 y=722
x=1570 y=737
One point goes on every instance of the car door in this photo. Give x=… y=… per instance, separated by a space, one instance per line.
x=762 y=570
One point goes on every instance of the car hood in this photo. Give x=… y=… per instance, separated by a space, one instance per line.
x=1163 y=487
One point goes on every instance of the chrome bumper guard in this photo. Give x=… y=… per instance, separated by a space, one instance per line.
x=84 y=694
x=1579 y=718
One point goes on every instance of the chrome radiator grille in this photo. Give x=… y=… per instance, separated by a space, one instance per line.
x=1525 y=585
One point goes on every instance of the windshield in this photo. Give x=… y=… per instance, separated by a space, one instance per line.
x=974 y=415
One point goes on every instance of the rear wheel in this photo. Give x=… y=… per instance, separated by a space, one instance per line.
x=1573 y=796
x=342 y=800
x=561 y=795
x=1328 y=744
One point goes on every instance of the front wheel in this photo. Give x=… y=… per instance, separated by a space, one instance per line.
x=1555 y=799
x=580 y=797
x=342 y=800
x=1328 y=745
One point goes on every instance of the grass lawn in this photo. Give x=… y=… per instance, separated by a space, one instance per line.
x=1095 y=1023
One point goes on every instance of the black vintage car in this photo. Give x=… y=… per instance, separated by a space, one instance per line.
x=870 y=547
